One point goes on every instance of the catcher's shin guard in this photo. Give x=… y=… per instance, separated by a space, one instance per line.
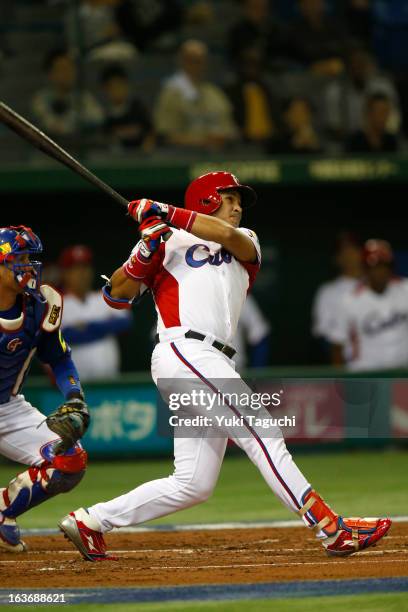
x=38 y=484
x=10 y=540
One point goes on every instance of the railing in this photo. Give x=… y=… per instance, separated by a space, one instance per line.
x=126 y=173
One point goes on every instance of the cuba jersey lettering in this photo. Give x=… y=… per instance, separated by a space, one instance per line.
x=376 y=326
x=189 y=274
x=199 y=255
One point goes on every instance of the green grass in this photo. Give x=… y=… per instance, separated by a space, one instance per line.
x=356 y=483
x=397 y=602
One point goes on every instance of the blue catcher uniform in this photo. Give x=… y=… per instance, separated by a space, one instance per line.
x=31 y=326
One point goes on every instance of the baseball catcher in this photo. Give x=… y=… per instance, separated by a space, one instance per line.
x=30 y=317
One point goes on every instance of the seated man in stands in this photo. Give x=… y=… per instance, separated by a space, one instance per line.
x=56 y=107
x=127 y=122
x=191 y=111
x=102 y=38
x=299 y=135
x=345 y=97
x=315 y=41
x=252 y=99
x=257 y=27
x=374 y=137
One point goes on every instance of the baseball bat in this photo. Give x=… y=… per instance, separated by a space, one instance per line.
x=44 y=143
x=41 y=141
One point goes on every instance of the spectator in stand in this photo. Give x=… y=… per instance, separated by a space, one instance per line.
x=359 y=20
x=102 y=37
x=349 y=263
x=145 y=22
x=374 y=137
x=251 y=340
x=127 y=123
x=374 y=317
x=345 y=96
x=57 y=108
x=299 y=135
x=191 y=111
x=199 y=13
x=316 y=41
x=391 y=45
x=90 y=326
x=391 y=34
x=257 y=27
x=251 y=98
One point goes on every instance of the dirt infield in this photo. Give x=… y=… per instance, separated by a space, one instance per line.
x=200 y=557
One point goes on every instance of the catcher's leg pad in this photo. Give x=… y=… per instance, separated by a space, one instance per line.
x=10 y=539
x=324 y=518
x=37 y=484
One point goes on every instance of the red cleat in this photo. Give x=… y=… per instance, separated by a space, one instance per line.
x=354 y=534
x=82 y=530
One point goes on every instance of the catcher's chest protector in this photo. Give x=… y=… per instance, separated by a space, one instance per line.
x=19 y=338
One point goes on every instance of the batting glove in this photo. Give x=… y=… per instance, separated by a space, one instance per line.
x=152 y=230
x=144 y=209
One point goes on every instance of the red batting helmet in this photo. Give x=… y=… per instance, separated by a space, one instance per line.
x=203 y=194
x=377 y=251
x=75 y=255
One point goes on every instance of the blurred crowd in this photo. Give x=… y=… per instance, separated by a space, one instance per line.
x=294 y=77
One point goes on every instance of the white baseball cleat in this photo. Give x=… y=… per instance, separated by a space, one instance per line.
x=84 y=533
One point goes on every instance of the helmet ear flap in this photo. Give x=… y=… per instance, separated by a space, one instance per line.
x=212 y=202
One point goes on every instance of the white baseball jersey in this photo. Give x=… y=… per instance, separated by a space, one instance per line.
x=190 y=274
x=376 y=325
x=326 y=303
x=101 y=358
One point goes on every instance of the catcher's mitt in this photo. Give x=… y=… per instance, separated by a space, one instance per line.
x=70 y=421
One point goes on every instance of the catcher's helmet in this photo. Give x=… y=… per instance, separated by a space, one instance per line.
x=203 y=194
x=376 y=252
x=20 y=240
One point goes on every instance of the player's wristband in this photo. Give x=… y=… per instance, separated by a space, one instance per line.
x=138 y=264
x=117 y=303
x=181 y=218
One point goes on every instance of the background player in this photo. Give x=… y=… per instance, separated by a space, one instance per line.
x=30 y=316
x=199 y=279
x=89 y=325
x=251 y=340
x=373 y=319
x=349 y=263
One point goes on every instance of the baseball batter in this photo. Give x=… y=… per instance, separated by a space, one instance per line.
x=30 y=317
x=199 y=277
x=373 y=319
